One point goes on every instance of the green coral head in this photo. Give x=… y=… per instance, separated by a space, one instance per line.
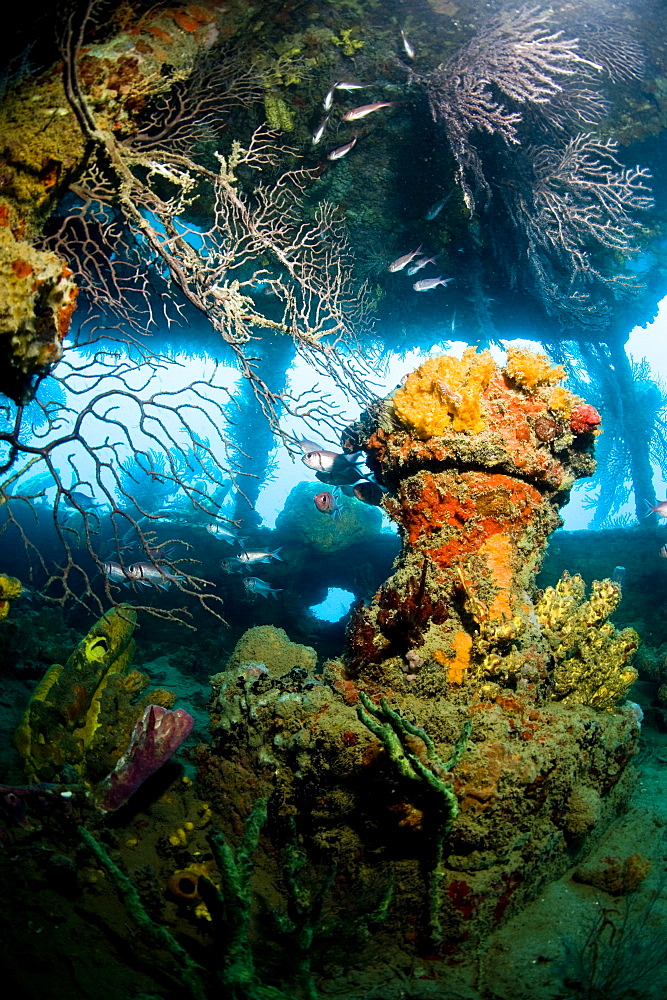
x=278 y=114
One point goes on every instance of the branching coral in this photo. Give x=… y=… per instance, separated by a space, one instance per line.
x=183 y=966
x=570 y=204
x=395 y=733
x=42 y=149
x=592 y=658
x=122 y=517
x=137 y=193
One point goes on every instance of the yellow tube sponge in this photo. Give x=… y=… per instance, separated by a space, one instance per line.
x=445 y=394
x=10 y=589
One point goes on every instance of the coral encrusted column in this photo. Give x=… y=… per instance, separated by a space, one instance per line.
x=477 y=460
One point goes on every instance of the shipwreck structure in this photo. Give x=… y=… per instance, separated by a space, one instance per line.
x=474 y=737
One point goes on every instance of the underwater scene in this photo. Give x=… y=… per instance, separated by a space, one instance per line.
x=333 y=500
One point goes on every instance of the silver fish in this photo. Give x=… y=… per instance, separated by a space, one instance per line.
x=327 y=103
x=426 y=283
x=248 y=558
x=422 y=262
x=328 y=461
x=341 y=151
x=437 y=207
x=147 y=575
x=231 y=565
x=115 y=573
x=77 y=499
x=308 y=446
x=400 y=262
x=366 y=109
x=254 y=585
x=407 y=45
x=319 y=131
x=224 y=534
x=345 y=85
x=321 y=460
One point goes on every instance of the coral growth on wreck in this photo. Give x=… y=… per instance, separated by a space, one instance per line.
x=445 y=751
x=321 y=532
x=405 y=797
x=81 y=715
x=10 y=590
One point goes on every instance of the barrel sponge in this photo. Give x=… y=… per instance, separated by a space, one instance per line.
x=272 y=647
x=301 y=520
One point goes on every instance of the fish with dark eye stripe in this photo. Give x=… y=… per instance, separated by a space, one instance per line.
x=147 y=575
x=115 y=573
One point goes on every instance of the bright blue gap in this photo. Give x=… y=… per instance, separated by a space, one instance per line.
x=335 y=605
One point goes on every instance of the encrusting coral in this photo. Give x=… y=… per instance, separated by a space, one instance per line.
x=301 y=519
x=41 y=150
x=476 y=474
x=445 y=393
x=270 y=647
x=466 y=750
x=457 y=729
